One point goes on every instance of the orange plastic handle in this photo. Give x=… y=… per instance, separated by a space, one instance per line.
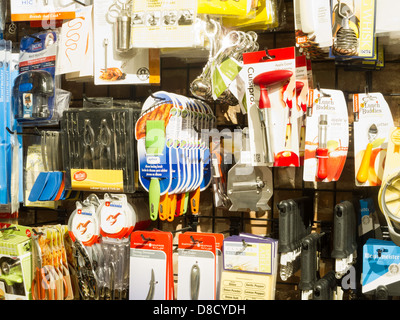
x=163 y=207
x=195 y=201
x=36 y=286
x=172 y=207
x=322 y=155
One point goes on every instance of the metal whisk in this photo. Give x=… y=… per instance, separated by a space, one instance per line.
x=346 y=42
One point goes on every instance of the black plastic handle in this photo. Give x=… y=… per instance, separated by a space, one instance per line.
x=285 y=243
x=344 y=230
x=295 y=222
x=309 y=262
x=324 y=287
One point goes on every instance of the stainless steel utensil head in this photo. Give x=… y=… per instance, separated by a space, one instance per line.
x=372 y=132
x=249 y=187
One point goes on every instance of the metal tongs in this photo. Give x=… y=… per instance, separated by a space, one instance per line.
x=105 y=144
x=88 y=142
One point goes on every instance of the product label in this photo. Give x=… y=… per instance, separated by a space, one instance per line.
x=247 y=286
x=163 y=23
x=100 y=180
x=373 y=122
x=84 y=225
x=327 y=137
x=252 y=257
x=45 y=11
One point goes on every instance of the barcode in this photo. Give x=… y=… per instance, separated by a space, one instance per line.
x=365 y=51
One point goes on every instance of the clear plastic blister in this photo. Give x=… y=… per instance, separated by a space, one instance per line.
x=37 y=98
x=99 y=153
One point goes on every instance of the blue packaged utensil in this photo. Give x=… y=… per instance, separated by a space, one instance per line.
x=4 y=173
x=3 y=11
x=34 y=90
x=381 y=268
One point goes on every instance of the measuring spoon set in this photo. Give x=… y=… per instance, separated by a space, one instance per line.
x=224 y=45
x=177 y=170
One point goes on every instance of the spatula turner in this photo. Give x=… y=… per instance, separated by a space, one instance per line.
x=154 y=143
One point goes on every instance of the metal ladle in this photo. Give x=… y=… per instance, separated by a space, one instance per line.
x=201 y=86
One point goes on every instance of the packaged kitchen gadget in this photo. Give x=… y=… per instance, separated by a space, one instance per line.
x=230 y=8
x=327 y=136
x=173 y=153
x=37 y=97
x=250 y=267
x=99 y=153
x=51 y=276
x=313 y=27
x=49 y=184
x=102 y=227
x=46 y=11
x=115 y=62
x=84 y=223
x=270 y=83
x=75 y=55
x=380 y=269
x=353 y=28
x=197 y=265
x=368 y=223
x=151 y=269
x=163 y=24
x=43 y=176
x=302 y=87
x=218 y=80
x=15 y=263
x=118 y=219
x=266 y=16
x=10 y=143
x=372 y=124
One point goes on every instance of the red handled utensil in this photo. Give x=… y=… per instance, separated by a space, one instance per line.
x=264 y=81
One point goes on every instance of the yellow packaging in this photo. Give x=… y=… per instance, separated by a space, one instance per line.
x=358 y=16
x=392 y=163
x=237 y=285
x=97 y=180
x=229 y=7
x=264 y=17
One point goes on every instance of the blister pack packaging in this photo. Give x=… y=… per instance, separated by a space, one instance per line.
x=99 y=153
x=380 y=276
x=37 y=97
x=15 y=262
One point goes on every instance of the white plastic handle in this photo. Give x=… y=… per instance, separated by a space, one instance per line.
x=307 y=16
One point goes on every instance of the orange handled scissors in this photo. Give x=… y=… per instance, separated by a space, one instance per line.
x=40 y=282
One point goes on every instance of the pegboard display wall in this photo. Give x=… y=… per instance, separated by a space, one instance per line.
x=176 y=76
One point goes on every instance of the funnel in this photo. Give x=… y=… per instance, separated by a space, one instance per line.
x=264 y=81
